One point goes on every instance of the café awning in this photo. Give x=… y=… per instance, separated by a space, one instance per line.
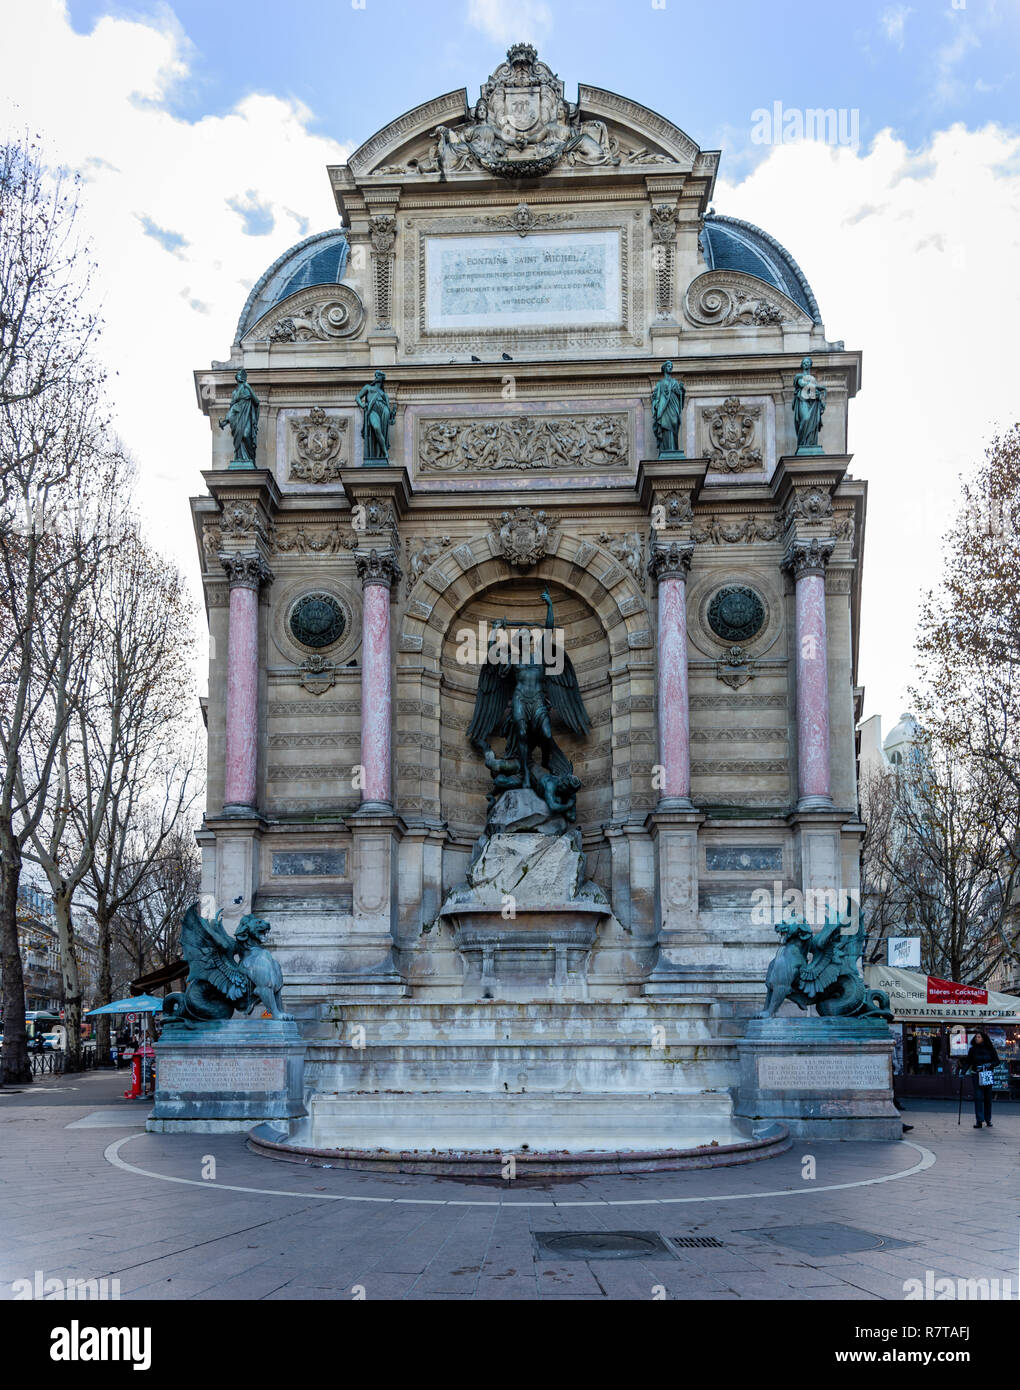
x=918 y=998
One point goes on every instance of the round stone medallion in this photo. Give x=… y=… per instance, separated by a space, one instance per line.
x=736 y=614
x=317 y=620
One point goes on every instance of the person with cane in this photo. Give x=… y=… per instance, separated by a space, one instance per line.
x=980 y=1062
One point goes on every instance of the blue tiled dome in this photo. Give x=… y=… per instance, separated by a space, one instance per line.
x=318 y=260
x=730 y=244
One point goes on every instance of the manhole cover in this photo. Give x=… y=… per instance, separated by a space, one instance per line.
x=828 y=1238
x=600 y=1245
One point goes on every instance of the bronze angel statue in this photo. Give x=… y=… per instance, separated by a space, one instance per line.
x=520 y=686
x=225 y=972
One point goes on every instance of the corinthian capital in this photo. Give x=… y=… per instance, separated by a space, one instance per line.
x=670 y=561
x=808 y=557
x=246 y=571
x=377 y=568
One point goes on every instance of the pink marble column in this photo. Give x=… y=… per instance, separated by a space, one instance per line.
x=378 y=574
x=669 y=566
x=246 y=574
x=807 y=561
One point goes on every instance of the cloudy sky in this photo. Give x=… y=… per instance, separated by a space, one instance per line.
x=202 y=129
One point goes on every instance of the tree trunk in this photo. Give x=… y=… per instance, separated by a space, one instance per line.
x=15 y=1067
x=72 y=981
x=105 y=986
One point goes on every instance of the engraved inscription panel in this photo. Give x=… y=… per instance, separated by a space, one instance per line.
x=553 y=279
x=222 y=1074
x=741 y=857
x=317 y=863
x=867 y=1072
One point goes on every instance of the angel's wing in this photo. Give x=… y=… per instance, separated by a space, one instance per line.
x=565 y=698
x=209 y=952
x=490 y=702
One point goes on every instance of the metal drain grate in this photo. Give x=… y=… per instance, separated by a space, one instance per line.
x=601 y=1245
x=697 y=1242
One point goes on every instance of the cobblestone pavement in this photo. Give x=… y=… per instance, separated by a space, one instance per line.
x=74 y=1205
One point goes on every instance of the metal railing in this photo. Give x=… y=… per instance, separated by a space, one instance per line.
x=55 y=1063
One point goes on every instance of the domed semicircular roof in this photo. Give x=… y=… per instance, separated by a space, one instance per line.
x=730 y=244
x=318 y=260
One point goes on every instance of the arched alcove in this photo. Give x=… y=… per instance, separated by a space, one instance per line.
x=464 y=780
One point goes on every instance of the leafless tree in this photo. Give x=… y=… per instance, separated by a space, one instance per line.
x=54 y=456
x=141 y=732
x=934 y=863
x=969 y=657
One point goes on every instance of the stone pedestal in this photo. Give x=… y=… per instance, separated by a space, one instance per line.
x=226 y=1076
x=526 y=918
x=823 y=1078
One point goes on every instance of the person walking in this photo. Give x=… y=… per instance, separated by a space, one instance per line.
x=982 y=1058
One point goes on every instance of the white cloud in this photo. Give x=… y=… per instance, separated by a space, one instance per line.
x=913 y=259
x=893 y=21
x=511 y=21
x=183 y=216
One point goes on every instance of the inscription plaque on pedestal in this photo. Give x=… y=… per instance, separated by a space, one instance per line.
x=806 y=1073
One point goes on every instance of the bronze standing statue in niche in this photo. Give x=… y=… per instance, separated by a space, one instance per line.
x=522 y=683
x=378 y=415
x=243 y=419
x=668 y=396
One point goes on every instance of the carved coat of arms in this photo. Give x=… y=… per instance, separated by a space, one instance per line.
x=523 y=537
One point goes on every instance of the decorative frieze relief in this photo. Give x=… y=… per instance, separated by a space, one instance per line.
x=317 y=447
x=301 y=709
x=748 y=529
x=734 y=434
x=310 y=772
x=317 y=540
x=323 y=740
x=479 y=445
x=738 y=702
x=735 y=735
x=741 y=767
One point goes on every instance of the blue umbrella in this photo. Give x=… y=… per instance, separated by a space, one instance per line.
x=136 y=1004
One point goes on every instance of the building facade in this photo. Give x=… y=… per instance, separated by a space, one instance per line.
x=519 y=268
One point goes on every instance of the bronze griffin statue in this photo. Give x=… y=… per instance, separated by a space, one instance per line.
x=822 y=968
x=225 y=972
x=521 y=685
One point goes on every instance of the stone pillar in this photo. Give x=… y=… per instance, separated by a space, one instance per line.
x=807 y=560
x=669 y=565
x=246 y=575
x=378 y=572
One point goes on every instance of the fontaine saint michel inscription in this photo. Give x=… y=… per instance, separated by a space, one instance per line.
x=550 y=279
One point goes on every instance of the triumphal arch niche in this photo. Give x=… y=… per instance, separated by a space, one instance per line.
x=531 y=381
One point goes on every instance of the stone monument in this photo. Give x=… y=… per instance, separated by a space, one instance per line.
x=215 y=1072
x=823 y=1077
x=513 y=900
